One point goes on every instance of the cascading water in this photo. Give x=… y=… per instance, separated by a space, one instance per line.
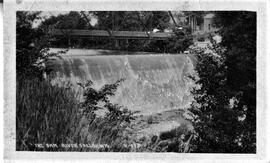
x=154 y=83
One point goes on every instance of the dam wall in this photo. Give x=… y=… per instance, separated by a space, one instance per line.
x=153 y=82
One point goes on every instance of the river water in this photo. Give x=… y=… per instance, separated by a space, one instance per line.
x=153 y=82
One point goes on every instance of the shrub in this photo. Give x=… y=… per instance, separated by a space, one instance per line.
x=110 y=128
x=176 y=140
x=201 y=38
x=177 y=132
x=214 y=122
x=29 y=43
x=32 y=46
x=225 y=104
x=178 y=43
x=44 y=114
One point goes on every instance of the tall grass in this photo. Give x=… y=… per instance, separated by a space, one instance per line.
x=44 y=114
x=47 y=114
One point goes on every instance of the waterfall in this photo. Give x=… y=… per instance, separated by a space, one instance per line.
x=154 y=82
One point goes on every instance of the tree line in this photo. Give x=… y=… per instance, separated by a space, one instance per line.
x=225 y=106
x=120 y=21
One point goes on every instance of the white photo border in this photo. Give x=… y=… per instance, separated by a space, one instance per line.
x=12 y=6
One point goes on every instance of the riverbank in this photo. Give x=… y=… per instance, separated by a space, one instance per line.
x=150 y=125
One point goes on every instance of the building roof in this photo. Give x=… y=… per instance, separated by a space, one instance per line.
x=209 y=16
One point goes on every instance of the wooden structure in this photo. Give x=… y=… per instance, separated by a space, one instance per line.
x=112 y=34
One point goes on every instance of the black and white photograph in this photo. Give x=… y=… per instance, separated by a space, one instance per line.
x=137 y=81
x=132 y=81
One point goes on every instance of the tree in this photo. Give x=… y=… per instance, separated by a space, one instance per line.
x=225 y=104
x=120 y=21
x=30 y=46
x=238 y=31
x=178 y=43
x=145 y=21
x=72 y=20
x=133 y=21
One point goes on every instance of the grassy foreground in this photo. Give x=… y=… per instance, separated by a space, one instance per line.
x=49 y=118
x=44 y=113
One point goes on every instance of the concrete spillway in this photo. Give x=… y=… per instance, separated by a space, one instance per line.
x=154 y=83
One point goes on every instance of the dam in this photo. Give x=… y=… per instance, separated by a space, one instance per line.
x=153 y=82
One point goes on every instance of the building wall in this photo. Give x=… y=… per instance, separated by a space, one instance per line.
x=208 y=25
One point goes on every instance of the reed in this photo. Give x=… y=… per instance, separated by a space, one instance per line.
x=52 y=115
x=45 y=114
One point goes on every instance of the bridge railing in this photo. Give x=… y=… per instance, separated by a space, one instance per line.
x=112 y=34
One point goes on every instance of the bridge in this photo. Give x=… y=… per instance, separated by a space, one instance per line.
x=111 y=34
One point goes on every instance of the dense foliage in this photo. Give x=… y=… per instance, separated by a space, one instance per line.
x=225 y=105
x=72 y=20
x=239 y=37
x=132 y=20
x=31 y=46
x=176 y=44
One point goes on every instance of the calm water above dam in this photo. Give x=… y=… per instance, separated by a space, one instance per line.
x=154 y=83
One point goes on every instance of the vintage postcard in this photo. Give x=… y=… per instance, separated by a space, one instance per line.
x=138 y=80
